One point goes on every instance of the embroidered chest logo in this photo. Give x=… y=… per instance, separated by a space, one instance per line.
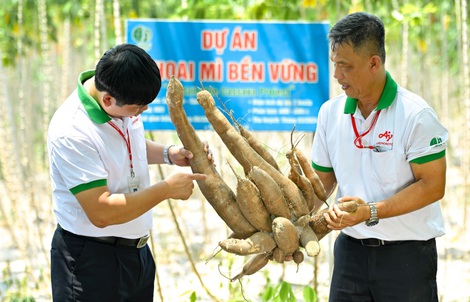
x=387 y=135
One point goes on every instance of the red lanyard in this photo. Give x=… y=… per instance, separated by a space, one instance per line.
x=128 y=144
x=358 y=140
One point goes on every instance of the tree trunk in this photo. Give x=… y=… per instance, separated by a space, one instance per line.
x=466 y=96
x=117 y=22
x=99 y=7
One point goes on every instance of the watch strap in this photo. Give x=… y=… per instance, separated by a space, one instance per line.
x=374 y=219
x=166 y=155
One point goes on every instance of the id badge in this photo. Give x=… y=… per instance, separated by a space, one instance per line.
x=134 y=183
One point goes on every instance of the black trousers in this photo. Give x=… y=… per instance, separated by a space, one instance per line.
x=404 y=272
x=89 y=271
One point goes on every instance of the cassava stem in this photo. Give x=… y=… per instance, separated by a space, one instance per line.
x=318 y=222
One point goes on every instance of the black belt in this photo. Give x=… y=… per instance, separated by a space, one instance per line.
x=137 y=243
x=372 y=242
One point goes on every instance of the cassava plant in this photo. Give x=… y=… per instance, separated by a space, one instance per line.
x=273 y=217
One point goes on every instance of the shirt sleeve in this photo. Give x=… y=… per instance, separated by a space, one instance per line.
x=78 y=163
x=320 y=158
x=427 y=140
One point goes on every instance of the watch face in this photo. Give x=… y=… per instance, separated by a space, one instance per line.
x=372 y=223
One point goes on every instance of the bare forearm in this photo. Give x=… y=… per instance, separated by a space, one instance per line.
x=328 y=180
x=412 y=198
x=104 y=209
x=121 y=208
x=154 y=152
x=428 y=188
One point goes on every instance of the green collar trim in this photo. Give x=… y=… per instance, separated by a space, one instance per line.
x=386 y=99
x=94 y=110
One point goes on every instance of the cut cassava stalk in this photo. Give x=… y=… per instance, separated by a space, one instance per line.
x=293 y=162
x=245 y=155
x=309 y=241
x=251 y=205
x=214 y=188
x=318 y=222
x=259 y=242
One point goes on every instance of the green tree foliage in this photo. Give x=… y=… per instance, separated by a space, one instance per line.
x=422 y=16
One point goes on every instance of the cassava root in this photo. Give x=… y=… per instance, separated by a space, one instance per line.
x=272 y=216
x=214 y=188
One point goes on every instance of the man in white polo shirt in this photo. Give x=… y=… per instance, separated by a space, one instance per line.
x=101 y=188
x=383 y=147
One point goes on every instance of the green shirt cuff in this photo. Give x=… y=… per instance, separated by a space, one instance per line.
x=87 y=186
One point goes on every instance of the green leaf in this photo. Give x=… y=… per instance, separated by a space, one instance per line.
x=268 y=294
x=309 y=294
x=193 y=297
x=285 y=291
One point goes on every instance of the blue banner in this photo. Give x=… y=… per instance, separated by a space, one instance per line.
x=271 y=75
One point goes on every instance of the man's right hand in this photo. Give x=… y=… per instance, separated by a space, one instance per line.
x=181 y=185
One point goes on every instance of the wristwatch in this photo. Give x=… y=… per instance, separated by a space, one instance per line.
x=374 y=219
x=166 y=155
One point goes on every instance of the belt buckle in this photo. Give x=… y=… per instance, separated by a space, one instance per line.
x=372 y=242
x=142 y=241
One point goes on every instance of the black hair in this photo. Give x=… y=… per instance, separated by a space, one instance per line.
x=129 y=74
x=364 y=32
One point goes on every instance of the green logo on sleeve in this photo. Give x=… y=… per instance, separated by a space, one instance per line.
x=435 y=141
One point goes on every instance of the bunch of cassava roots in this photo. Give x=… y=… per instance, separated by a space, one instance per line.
x=272 y=216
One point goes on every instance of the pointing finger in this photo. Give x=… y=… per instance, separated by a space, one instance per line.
x=198 y=176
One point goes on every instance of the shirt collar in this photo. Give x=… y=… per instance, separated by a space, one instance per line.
x=386 y=99
x=94 y=110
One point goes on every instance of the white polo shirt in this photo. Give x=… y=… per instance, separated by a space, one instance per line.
x=85 y=152
x=407 y=130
